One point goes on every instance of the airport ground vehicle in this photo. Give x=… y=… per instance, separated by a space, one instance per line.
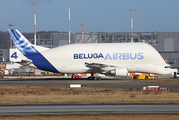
x=1 y=72
x=142 y=77
x=76 y=76
x=47 y=73
x=176 y=74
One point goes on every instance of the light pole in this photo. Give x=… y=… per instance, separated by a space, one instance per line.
x=132 y=24
x=69 y=20
x=35 y=22
x=82 y=32
x=11 y=38
x=35 y=70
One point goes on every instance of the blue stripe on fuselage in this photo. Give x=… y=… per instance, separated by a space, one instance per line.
x=41 y=62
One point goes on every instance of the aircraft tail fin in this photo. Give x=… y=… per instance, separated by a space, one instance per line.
x=21 y=43
x=29 y=51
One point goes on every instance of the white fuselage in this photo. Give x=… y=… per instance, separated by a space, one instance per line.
x=136 y=57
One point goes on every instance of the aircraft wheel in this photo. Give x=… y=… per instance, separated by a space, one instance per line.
x=94 y=78
x=156 y=77
x=99 y=78
x=90 y=78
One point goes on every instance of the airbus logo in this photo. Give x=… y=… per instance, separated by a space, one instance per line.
x=110 y=56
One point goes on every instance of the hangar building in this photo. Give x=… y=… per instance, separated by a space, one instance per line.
x=167 y=43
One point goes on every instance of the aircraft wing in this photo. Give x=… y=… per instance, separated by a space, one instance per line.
x=99 y=68
x=97 y=65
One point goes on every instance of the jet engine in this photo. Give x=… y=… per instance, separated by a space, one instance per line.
x=118 y=72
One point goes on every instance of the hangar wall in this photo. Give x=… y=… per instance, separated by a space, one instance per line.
x=168 y=41
x=168 y=46
x=60 y=39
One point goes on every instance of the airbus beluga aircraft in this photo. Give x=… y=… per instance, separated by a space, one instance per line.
x=112 y=59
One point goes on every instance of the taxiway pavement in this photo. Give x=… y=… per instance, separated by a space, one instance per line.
x=68 y=109
x=105 y=83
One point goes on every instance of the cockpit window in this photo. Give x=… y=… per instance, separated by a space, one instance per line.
x=166 y=66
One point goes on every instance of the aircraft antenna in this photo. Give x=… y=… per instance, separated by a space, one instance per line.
x=132 y=24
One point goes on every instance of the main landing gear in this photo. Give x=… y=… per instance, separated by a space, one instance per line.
x=94 y=77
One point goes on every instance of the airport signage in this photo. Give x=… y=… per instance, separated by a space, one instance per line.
x=155 y=88
x=77 y=85
x=151 y=88
x=163 y=88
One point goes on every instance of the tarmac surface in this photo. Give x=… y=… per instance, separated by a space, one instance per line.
x=71 y=109
x=104 y=83
x=68 y=109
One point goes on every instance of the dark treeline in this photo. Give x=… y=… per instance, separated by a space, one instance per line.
x=5 y=37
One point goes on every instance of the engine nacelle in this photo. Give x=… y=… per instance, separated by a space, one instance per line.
x=118 y=72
